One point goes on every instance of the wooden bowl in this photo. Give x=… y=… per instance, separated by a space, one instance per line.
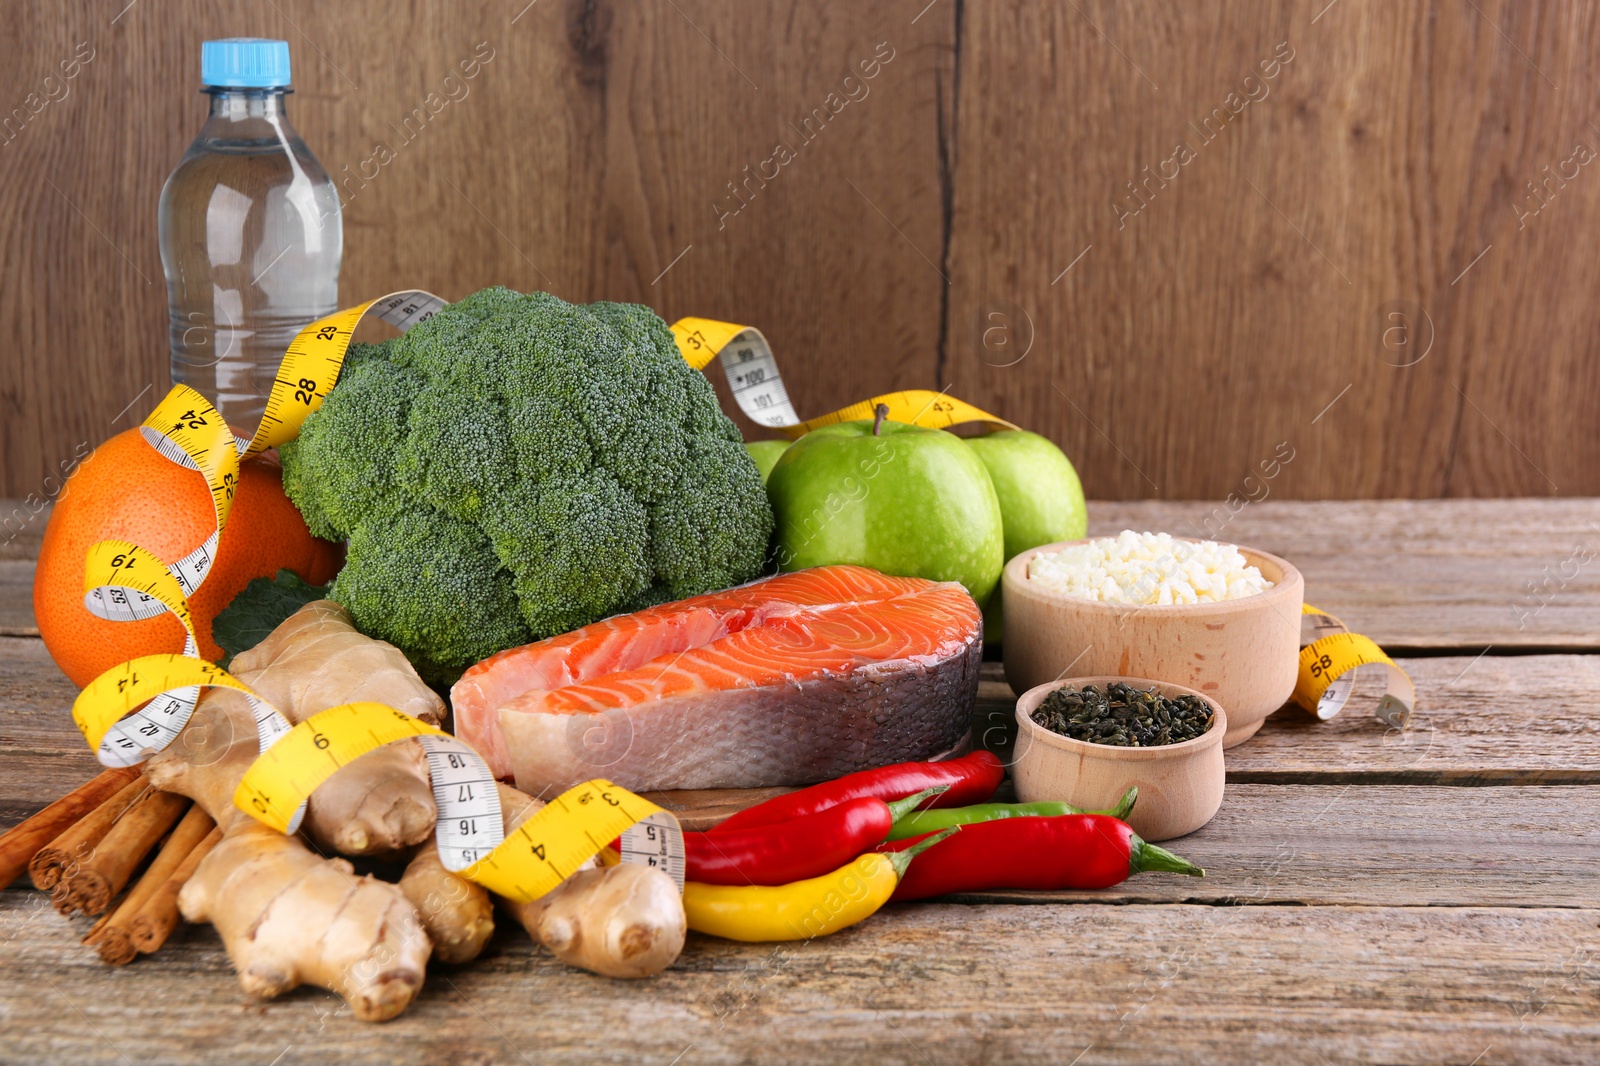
x=1243 y=654
x=1180 y=785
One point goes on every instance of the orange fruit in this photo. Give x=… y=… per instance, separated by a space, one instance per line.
x=125 y=490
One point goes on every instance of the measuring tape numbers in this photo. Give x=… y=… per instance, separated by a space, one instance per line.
x=542 y=852
x=187 y=430
x=752 y=373
x=311 y=366
x=1329 y=662
x=153 y=680
x=125 y=583
x=534 y=858
x=140 y=707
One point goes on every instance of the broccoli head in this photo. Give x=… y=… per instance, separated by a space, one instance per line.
x=518 y=466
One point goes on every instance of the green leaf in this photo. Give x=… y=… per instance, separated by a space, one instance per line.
x=262 y=606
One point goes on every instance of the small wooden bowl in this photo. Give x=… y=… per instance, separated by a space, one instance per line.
x=1243 y=654
x=1180 y=785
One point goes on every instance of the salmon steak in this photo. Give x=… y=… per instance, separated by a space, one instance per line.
x=788 y=680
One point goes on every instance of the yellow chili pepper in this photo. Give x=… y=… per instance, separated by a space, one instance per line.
x=800 y=910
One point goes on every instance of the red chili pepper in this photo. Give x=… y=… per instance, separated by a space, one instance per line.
x=797 y=850
x=971 y=779
x=1067 y=851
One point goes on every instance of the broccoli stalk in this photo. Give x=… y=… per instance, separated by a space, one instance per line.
x=517 y=467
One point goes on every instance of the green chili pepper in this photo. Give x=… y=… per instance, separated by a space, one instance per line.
x=919 y=822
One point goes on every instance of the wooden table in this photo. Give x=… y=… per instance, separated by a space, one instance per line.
x=1372 y=896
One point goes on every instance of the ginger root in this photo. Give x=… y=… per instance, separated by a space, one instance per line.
x=617 y=921
x=286 y=915
x=290 y=917
x=316 y=659
x=458 y=914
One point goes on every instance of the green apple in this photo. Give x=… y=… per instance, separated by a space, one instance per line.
x=1041 y=498
x=901 y=499
x=766 y=453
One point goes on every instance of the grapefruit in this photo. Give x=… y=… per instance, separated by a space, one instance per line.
x=125 y=490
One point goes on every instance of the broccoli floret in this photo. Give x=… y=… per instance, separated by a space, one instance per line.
x=341 y=467
x=699 y=532
x=359 y=353
x=650 y=597
x=451 y=345
x=467 y=609
x=454 y=453
x=518 y=466
x=547 y=439
x=577 y=548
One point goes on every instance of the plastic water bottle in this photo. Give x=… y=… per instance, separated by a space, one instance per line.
x=251 y=236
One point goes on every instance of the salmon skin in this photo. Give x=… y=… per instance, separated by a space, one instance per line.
x=788 y=680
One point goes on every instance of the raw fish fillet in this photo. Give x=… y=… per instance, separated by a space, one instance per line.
x=785 y=681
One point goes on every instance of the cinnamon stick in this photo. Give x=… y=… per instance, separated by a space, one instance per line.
x=92 y=937
x=94 y=882
x=158 y=916
x=115 y=943
x=78 y=841
x=22 y=841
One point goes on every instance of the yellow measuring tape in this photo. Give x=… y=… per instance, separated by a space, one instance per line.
x=140 y=707
x=757 y=387
x=123 y=582
x=1329 y=662
x=167 y=686
x=541 y=853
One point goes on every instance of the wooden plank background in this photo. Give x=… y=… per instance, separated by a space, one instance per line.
x=1003 y=209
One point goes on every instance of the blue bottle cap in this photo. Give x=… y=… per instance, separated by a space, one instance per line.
x=245 y=63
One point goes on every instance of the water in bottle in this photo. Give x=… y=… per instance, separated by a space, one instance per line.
x=250 y=233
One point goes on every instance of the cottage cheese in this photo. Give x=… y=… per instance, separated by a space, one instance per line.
x=1148 y=568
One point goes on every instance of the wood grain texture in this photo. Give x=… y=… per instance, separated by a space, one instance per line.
x=1396 y=846
x=923 y=238
x=1233 y=293
x=1493 y=720
x=588 y=154
x=920 y=984
x=16 y=599
x=1522 y=719
x=1418 y=574
x=36 y=731
x=22 y=525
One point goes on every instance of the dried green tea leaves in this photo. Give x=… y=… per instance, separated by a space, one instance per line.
x=1123 y=716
